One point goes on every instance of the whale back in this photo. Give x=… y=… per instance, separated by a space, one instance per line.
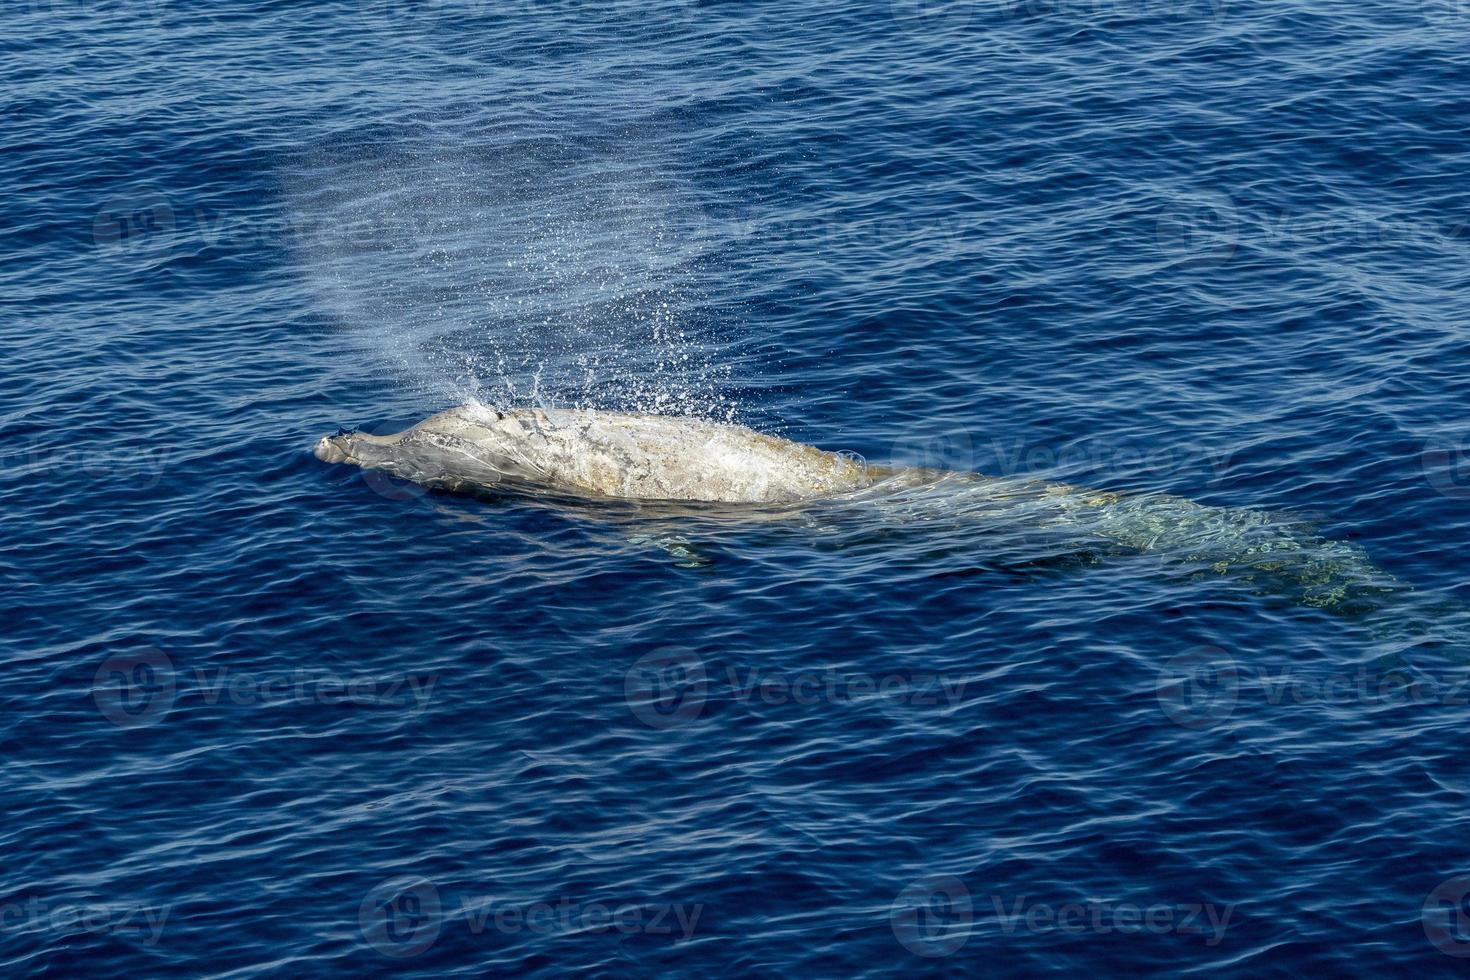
x=603 y=454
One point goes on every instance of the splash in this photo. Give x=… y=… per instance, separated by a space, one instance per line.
x=560 y=269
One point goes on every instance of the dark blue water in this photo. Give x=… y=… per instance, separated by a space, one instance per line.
x=267 y=717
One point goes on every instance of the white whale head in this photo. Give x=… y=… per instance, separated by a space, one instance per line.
x=335 y=448
x=600 y=454
x=469 y=444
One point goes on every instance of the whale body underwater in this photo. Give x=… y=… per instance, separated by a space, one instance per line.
x=589 y=455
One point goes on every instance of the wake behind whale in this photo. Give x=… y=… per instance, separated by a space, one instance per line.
x=611 y=456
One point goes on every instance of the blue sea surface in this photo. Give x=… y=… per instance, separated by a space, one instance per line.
x=264 y=716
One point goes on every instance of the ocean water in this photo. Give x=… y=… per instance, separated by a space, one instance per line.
x=263 y=716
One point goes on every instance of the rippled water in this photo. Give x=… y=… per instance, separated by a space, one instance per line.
x=265 y=716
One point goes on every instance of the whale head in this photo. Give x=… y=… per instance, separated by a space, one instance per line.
x=335 y=448
x=465 y=445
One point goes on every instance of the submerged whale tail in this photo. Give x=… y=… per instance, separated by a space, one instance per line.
x=1268 y=551
x=1276 y=554
x=1251 y=545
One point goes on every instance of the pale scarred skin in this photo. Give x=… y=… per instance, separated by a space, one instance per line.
x=602 y=454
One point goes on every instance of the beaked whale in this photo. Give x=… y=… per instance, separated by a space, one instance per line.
x=615 y=456
x=674 y=474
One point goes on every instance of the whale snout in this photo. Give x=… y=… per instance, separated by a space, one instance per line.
x=332 y=449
